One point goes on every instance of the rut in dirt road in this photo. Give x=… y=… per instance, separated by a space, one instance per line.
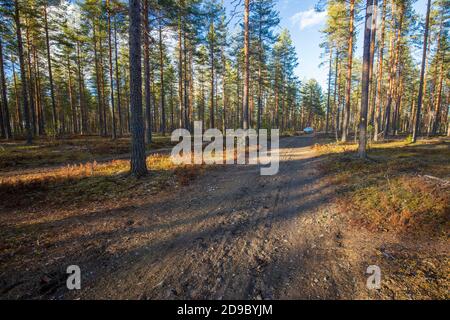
x=217 y=236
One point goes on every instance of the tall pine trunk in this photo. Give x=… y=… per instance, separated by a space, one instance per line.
x=246 y=65
x=260 y=80
x=19 y=115
x=422 y=75
x=362 y=152
x=147 y=84
x=138 y=158
x=37 y=90
x=71 y=100
x=23 y=76
x=98 y=83
x=81 y=99
x=50 y=74
x=212 y=94
x=6 y=117
x=116 y=58
x=161 y=74
x=329 y=90
x=437 y=111
x=102 y=83
x=346 y=122
x=180 y=72
x=111 y=81
x=378 y=99
x=393 y=74
x=335 y=98
x=373 y=37
x=30 y=74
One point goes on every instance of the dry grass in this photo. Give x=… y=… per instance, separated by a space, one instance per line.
x=48 y=151
x=53 y=216
x=391 y=191
x=92 y=182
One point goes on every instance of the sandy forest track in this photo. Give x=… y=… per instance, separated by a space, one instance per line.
x=221 y=235
x=229 y=234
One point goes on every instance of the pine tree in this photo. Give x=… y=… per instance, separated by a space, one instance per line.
x=26 y=110
x=263 y=19
x=365 y=84
x=422 y=75
x=351 y=31
x=138 y=158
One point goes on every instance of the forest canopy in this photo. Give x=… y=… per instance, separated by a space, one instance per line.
x=65 y=68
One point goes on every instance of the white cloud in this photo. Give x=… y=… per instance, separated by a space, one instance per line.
x=308 y=18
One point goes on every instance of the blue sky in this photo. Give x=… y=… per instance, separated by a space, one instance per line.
x=304 y=24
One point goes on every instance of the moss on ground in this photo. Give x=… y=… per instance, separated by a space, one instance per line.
x=92 y=182
x=48 y=151
x=403 y=187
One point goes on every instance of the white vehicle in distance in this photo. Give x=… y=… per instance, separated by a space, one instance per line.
x=308 y=130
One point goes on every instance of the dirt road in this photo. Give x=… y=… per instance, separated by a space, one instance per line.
x=231 y=234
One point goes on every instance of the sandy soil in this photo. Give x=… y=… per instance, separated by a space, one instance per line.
x=230 y=234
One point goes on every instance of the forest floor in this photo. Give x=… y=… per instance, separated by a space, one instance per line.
x=48 y=153
x=226 y=232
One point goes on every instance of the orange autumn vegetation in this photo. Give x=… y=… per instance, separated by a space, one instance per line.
x=91 y=182
x=403 y=188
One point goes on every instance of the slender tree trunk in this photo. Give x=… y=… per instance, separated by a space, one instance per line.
x=180 y=72
x=171 y=107
x=50 y=75
x=362 y=152
x=438 y=99
x=203 y=102
x=98 y=82
x=398 y=107
x=224 y=91
x=277 y=101
x=335 y=102
x=372 y=58
x=239 y=113
x=138 y=158
x=161 y=74
x=154 y=110
x=260 y=62
x=71 y=100
x=81 y=100
x=31 y=81
x=116 y=55
x=186 y=85
x=422 y=75
x=346 y=123
x=2 y=121
x=111 y=81
x=394 y=72
x=19 y=115
x=23 y=76
x=191 y=88
x=329 y=90
x=446 y=117
x=211 y=109
x=37 y=90
x=126 y=89
x=378 y=99
x=147 y=84
x=6 y=117
x=246 y=64
x=102 y=84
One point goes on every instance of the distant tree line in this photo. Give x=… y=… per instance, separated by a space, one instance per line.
x=65 y=68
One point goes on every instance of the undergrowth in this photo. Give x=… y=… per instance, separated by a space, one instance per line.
x=402 y=187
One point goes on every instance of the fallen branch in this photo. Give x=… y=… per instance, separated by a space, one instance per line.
x=443 y=181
